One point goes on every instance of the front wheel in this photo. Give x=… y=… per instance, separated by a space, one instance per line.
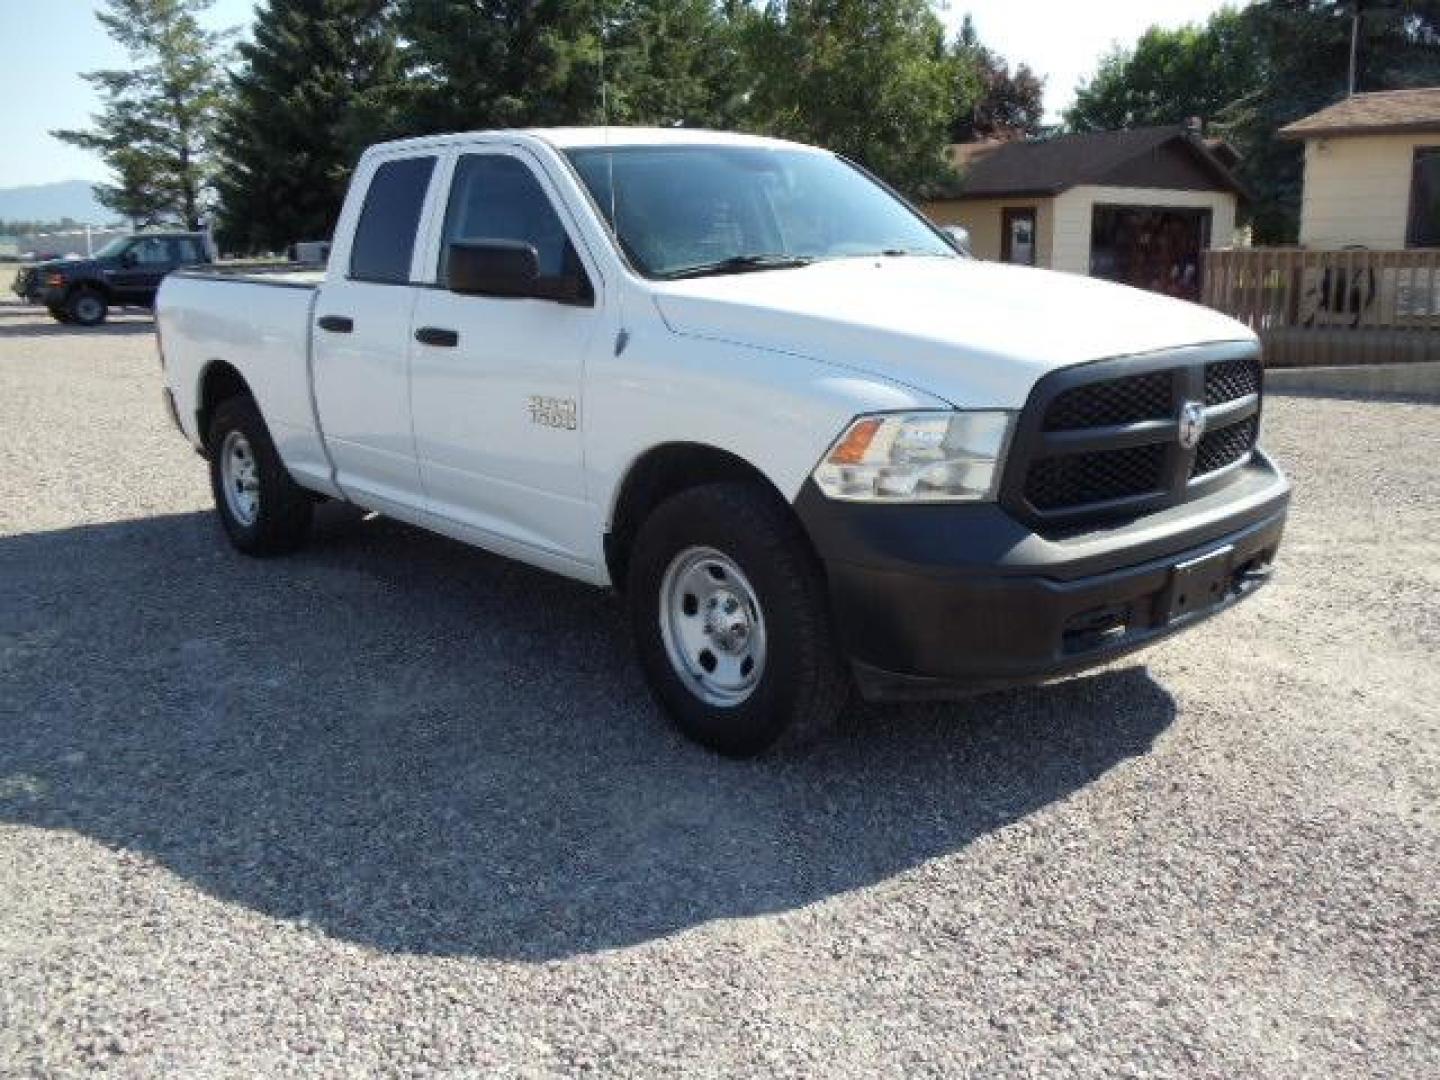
x=87 y=307
x=731 y=620
x=263 y=510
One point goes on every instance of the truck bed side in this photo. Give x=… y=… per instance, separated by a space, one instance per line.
x=257 y=323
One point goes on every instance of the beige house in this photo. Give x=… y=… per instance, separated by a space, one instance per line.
x=1136 y=206
x=1372 y=171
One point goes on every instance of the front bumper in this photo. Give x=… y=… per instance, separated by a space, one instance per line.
x=936 y=601
x=35 y=291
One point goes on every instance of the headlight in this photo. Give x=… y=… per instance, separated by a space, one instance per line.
x=918 y=457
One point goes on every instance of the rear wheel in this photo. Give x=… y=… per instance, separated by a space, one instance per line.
x=263 y=511
x=87 y=307
x=731 y=620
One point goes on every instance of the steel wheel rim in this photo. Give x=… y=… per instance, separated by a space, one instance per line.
x=713 y=626
x=87 y=309
x=240 y=478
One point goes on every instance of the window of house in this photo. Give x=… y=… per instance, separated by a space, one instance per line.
x=385 y=236
x=1424 y=225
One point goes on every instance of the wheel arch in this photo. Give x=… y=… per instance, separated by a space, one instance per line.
x=219 y=381
x=661 y=472
x=95 y=285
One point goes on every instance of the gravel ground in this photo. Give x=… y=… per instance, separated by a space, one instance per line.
x=394 y=806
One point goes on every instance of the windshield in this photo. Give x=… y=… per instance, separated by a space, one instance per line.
x=114 y=247
x=726 y=209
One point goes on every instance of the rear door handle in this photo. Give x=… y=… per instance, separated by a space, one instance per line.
x=435 y=335
x=337 y=324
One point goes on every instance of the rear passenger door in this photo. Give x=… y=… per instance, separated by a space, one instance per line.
x=361 y=337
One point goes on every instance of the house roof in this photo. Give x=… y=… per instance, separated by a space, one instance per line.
x=1050 y=166
x=1371 y=114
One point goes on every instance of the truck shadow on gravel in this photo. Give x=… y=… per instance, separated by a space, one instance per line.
x=37 y=329
x=421 y=748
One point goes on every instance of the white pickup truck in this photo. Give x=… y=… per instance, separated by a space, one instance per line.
x=747 y=385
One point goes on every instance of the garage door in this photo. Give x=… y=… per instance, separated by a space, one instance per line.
x=1151 y=247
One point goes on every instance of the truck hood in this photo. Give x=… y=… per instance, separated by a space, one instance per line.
x=972 y=333
x=71 y=267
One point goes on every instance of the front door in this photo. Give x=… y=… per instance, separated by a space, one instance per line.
x=142 y=267
x=496 y=382
x=362 y=343
x=1017 y=235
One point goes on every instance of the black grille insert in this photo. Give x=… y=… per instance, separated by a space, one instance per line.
x=1116 y=401
x=1224 y=446
x=1057 y=483
x=1102 y=441
x=1231 y=379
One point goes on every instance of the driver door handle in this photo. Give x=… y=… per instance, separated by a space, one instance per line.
x=435 y=335
x=336 y=324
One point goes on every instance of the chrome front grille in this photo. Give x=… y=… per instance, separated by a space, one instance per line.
x=1103 y=441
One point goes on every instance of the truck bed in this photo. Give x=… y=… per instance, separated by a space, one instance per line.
x=255 y=319
x=286 y=275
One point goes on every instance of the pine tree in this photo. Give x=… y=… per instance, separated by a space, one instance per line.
x=674 y=62
x=157 y=120
x=316 y=85
x=475 y=64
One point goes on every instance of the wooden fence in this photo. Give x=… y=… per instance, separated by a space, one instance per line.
x=1331 y=307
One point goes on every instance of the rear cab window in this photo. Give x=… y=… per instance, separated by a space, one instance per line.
x=187 y=251
x=385 y=235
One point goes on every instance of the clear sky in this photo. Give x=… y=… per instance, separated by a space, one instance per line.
x=45 y=45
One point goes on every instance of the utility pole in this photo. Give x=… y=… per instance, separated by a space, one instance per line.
x=1354 y=42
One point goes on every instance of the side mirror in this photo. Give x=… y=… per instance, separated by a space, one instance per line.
x=492 y=268
x=508 y=268
x=959 y=238
x=127 y=258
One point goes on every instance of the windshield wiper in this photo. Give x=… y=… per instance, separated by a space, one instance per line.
x=738 y=264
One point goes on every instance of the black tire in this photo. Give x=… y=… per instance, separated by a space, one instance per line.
x=282 y=523
x=87 y=307
x=804 y=684
x=59 y=314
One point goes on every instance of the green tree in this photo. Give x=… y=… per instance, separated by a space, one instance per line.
x=675 y=62
x=157 y=120
x=511 y=63
x=469 y=64
x=315 y=86
x=1252 y=71
x=871 y=79
x=991 y=100
x=1171 y=75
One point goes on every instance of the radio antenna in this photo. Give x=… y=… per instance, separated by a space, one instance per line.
x=604 y=94
x=605 y=121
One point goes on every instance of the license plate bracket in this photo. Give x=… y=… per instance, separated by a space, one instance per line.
x=1197 y=584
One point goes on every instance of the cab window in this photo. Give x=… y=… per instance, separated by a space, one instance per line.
x=496 y=197
x=385 y=236
x=188 y=250
x=151 y=251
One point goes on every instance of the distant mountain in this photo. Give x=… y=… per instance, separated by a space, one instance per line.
x=51 y=202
